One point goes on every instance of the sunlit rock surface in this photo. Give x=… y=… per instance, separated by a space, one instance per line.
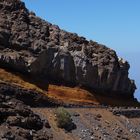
x=31 y=45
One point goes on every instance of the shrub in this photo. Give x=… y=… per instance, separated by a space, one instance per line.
x=64 y=119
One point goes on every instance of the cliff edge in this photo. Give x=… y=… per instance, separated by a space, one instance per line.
x=34 y=46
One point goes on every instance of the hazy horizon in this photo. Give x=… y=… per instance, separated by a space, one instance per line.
x=112 y=23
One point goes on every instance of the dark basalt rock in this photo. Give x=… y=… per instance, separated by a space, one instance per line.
x=31 y=45
x=17 y=120
x=29 y=97
x=127 y=112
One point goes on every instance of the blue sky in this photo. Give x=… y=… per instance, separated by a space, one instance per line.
x=115 y=23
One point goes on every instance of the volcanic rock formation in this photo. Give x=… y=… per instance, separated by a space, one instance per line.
x=17 y=120
x=31 y=45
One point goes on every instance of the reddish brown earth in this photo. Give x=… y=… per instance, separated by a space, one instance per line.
x=68 y=95
x=94 y=124
x=33 y=50
x=93 y=119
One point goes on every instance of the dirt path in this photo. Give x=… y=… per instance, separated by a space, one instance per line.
x=59 y=134
x=94 y=124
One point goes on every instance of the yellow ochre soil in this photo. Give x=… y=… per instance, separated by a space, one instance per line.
x=62 y=93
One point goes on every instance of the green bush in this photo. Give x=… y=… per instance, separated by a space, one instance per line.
x=64 y=119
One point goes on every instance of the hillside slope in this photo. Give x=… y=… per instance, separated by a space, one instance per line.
x=97 y=124
x=43 y=67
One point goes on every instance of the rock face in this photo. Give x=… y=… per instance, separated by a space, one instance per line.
x=31 y=45
x=17 y=120
x=29 y=97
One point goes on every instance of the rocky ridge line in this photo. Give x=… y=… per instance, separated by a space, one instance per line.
x=31 y=45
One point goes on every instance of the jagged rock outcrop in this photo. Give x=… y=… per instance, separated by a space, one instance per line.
x=30 y=97
x=31 y=45
x=17 y=120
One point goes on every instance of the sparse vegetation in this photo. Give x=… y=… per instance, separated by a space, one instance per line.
x=61 y=93
x=64 y=119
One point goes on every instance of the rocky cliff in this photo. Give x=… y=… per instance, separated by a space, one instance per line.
x=31 y=45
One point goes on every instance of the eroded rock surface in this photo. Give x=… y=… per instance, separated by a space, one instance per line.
x=29 y=97
x=17 y=120
x=31 y=45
